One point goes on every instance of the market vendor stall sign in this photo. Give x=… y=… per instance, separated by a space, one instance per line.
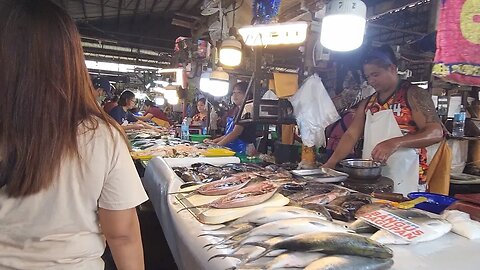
x=401 y=227
x=458 y=42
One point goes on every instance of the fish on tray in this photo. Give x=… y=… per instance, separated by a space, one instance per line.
x=335 y=243
x=327 y=197
x=247 y=196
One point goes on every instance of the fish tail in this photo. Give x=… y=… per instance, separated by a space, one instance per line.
x=240 y=257
x=266 y=246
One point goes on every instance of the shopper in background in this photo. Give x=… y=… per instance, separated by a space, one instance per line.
x=154 y=114
x=397 y=122
x=65 y=169
x=110 y=104
x=103 y=89
x=200 y=118
x=122 y=113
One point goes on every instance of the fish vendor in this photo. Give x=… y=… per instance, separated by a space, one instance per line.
x=398 y=121
x=237 y=136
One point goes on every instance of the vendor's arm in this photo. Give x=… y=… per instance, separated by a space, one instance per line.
x=146 y=117
x=230 y=137
x=349 y=138
x=429 y=126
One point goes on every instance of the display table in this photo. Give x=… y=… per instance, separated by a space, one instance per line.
x=181 y=231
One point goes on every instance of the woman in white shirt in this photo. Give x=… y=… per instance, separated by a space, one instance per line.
x=67 y=181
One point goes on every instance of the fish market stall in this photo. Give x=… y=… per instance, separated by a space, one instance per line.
x=191 y=251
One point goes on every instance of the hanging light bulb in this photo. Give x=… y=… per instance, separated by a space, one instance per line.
x=159 y=101
x=205 y=81
x=219 y=83
x=170 y=91
x=172 y=100
x=231 y=52
x=343 y=26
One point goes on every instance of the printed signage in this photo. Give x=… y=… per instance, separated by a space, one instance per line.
x=401 y=227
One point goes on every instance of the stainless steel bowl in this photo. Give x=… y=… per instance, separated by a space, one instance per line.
x=361 y=168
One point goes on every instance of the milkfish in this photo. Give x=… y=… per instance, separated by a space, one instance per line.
x=290 y=227
x=286 y=260
x=347 y=262
x=328 y=243
x=274 y=213
x=248 y=196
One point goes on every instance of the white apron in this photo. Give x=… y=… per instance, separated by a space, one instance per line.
x=402 y=166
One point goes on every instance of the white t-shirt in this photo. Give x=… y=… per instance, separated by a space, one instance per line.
x=58 y=228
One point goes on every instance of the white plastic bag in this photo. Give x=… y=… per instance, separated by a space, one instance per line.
x=462 y=224
x=314 y=111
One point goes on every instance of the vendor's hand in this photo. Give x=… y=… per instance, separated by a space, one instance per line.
x=384 y=150
x=328 y=165
x=208 y=141
x=137 y=126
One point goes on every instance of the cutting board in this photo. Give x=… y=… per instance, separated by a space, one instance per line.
x=218 y=216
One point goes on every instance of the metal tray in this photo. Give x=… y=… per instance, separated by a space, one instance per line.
x=324 y=175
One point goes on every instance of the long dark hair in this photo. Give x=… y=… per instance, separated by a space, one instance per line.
x=124 y=97
x=46 y=94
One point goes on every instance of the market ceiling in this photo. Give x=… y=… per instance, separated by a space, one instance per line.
x=153 y=25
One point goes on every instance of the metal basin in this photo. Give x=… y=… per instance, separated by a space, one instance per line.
x=361 y=168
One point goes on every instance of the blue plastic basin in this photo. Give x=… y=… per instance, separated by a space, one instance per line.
x=436 y=202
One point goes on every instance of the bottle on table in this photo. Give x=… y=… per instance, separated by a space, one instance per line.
x=459 y=123
x=185 y=133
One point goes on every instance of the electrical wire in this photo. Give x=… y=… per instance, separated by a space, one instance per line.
x=234 y=9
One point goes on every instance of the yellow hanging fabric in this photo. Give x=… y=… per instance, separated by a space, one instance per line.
x=438 y=173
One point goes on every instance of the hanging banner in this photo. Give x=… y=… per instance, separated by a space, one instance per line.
x=457 y=58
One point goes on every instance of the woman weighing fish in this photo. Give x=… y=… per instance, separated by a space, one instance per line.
x=398 y=122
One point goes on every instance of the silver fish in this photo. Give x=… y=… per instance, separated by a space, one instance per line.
x=274 y=213
x=327 y=243
x=345 y=262
x=290 y=227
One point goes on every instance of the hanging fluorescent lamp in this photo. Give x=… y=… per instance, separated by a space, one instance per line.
x=274 y=33
x=205 y=82
x=343 y=26
x=219 y=83
x=231 y=52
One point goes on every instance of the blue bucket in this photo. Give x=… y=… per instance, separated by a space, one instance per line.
x=436 y=202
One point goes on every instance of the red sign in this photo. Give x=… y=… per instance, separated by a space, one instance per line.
x=393 y=224
x=457 y=58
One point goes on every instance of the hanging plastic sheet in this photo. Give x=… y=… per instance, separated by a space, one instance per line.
x=457 y=58
x=314 y=111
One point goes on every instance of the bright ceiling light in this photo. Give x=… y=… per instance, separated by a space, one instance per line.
x=231 y=52
x=219 y=83
x=205 y=81
x=274 y=34
x=343 y=26
x=108 y=66
x=172 y=100
x=159 y=101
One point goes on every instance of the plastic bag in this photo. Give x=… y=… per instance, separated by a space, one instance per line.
x=462 y=224
x=314 y=111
